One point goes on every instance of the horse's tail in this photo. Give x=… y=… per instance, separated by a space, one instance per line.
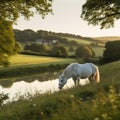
x=97 y=75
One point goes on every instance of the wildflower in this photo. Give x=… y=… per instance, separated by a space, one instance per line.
x=34 y=105
x=42 y=113
x=72 y=96
x=96 y=118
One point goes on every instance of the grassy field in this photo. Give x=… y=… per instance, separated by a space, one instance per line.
x=80 y=41
x=90 y=102
x=26 y=65
x=30 y=60
x=98 y=51
x=107 y=38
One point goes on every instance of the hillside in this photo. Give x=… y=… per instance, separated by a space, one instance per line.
x=90 y=102
x=29 y=35
x=107 y=38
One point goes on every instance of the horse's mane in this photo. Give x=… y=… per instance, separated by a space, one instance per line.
x=68 y=69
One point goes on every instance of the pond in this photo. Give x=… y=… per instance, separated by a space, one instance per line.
x=24 y=89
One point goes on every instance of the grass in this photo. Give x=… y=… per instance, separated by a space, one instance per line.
x=31 y=60
x=31 y=67
x=21 y=61
x=89 y=102
x=108 y=38
x=80 y=41
x=98 y=51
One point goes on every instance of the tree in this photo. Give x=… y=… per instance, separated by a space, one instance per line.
x=101 y=12
x=18 y=48
x=10 y=11
x=112 y=51
x=84 y=52
x=59 y=51
x=38 y=48
x=7 y=42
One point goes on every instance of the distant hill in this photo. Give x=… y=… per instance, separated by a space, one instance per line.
x=107 y=38
x=29 y=35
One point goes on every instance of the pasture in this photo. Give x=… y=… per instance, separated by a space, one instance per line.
x=98 y=51
x=107 y=38
x=31 y=60
x=80 y=41
x=89 y=102
x=27 y=65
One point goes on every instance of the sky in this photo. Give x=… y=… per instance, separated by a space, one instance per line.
x=66 y=19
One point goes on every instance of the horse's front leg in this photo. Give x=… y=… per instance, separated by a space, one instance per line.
x=75 y=81
x=78 y=81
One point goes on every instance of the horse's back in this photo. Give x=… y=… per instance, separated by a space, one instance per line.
x=72 y=67
x=75 y=66
x=82 y=70
x=89 y=66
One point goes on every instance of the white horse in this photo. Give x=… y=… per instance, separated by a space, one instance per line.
x=78 y=71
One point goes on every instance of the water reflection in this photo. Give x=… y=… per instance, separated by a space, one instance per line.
x=23 y=88
x=8 y=82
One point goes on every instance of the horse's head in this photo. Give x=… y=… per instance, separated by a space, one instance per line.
x=62 y=81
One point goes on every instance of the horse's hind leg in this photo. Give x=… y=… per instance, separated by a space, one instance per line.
x=91 y=78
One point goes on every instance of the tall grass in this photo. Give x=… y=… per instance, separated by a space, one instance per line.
x=89 y=102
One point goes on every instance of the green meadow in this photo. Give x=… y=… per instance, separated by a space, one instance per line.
x=90 y=102
x=98 y=51
x=31 y=67
x=31 y=60
x=80 y=41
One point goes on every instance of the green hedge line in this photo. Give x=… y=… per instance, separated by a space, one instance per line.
x=29 y=70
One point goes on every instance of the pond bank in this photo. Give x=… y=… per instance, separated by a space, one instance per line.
x=26 y=90
x=7 y=82
x=19 y=71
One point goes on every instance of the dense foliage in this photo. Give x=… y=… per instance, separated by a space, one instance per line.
x=55 y=51
x=59 y=51
x=10 y=11
x=7 y=42
x=101 y=12
x=112 y=52
x=29 y=35
x=84 y=52
x=38 y=48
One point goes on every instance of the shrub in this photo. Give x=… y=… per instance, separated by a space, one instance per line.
x=59 y=51
x=84 y=52
x=39 y=48
x=111 y=52
x=3 y=97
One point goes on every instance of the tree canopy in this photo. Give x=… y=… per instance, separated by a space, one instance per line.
x=10 y=10
x=84 y=51
x=112 y=52
x=7 y=42
x=101 y=12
